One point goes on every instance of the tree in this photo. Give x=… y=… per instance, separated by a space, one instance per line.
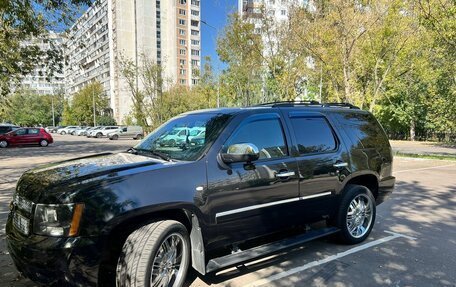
x=27 y=108
x=80 y=110
x=21 y=20
x=156 y=98
x=241 y=48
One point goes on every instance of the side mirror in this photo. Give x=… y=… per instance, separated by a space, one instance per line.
x=244 y=152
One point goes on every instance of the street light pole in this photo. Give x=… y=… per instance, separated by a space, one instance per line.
x=93 y=103
x=53 y=115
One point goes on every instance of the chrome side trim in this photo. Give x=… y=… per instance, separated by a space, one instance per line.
x=247 y=208
x=315 y=195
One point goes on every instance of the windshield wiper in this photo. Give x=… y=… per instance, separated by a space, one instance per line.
x=158 y=154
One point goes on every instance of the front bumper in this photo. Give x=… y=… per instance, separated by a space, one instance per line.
x=385 y=188
x=54 y=261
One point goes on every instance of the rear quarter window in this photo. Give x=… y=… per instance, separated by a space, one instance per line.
x=363 y=129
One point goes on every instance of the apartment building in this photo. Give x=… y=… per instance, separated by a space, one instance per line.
x=40 y=80
x=278 y=9
x=165 y=31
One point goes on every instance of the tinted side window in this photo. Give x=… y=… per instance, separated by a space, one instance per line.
x=314 y=135
x=4 y=130
x=365 y=129
x=21 y=132
x=267 y=135
x=33 y=131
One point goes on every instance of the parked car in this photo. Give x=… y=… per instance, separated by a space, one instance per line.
x=26 y=136
x=6 y=128
x=101 y=132
x=146 y=215
x=83 y=131
x=49 y=128
x=199 y=139
x=174 y=137
x=67 y=130
x=135 y=132
x=73 y=131
x=55 y=129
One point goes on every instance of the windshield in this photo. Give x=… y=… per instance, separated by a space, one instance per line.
x=172 y=139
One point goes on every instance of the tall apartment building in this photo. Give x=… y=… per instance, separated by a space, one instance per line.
x=165 y=31
x=39 y=79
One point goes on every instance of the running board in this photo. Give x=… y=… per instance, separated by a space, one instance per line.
x=266 y=249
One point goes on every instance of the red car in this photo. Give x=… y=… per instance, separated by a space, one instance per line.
x=26 y=136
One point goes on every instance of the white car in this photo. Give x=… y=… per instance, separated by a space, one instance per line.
x=82 y=131
x=67 y=130
x=179 y=136
x=102 y=132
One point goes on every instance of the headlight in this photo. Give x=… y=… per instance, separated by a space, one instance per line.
x=57 y=219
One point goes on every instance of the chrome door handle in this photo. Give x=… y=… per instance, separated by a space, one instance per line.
x=285 y=174
x=340 y=164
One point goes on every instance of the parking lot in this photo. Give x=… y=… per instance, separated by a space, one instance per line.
x=412 y=244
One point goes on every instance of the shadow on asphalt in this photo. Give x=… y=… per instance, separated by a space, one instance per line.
x=416 y=211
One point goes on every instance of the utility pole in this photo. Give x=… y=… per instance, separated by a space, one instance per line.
x=218 y=93
x=321 y=79
x=52 y=104
x=93 y=103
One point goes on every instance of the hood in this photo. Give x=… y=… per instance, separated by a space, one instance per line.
x=77 y=170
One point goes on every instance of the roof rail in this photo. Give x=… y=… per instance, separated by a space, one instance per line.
x=306 y=103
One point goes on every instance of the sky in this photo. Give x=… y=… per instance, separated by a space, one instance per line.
x=214 y=13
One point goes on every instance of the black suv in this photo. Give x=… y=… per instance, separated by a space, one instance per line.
x=263 y=178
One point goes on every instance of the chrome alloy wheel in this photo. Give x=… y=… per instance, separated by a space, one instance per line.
x=167 y=267
x=359 y=215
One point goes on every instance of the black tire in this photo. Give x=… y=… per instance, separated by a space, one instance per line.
x=172 y=143
x=43 y=143
x=114 y=137
x=364 y=216
x=142 y=249
x=99 y=135
x=138 y=137
x=62 y=132
x=3 y=144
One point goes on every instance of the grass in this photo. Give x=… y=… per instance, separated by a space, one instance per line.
x=426 y=156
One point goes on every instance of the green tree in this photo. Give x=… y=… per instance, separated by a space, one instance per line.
x=80 y=110
x=30 y=109
x=23 y=19
x=241 y=48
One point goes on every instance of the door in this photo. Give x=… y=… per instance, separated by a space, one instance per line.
x=321 y=162
x=124 y=132
x=19 y=137
x=33 y=136
x=253 y=199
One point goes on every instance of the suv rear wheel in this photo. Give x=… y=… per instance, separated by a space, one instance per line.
x=3 y=144
x=356 y=214
x=157 y=254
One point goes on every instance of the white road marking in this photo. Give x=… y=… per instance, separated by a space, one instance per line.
x=401 y=235
x=309 y=265
x=424 y=168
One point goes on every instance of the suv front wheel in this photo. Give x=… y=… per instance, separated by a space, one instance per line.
x=356 y=214
x=157 y=254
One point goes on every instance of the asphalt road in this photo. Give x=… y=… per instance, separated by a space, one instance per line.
x=413 y=242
